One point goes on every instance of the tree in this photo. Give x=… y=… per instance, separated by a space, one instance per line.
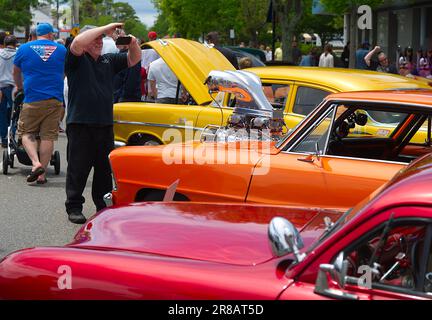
x=102 y=12
x=192 y=19
x=15 y=13
x=56 y=12
x=326 y=26
x=350 y=7
x=289 y=13
x=254 y=14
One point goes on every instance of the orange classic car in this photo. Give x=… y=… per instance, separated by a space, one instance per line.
x=332 y=159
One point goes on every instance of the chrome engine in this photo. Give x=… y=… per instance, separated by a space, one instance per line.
x=253 y=117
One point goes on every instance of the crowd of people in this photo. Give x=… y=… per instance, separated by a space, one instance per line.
x=87 y=74
x=406 y=64
x=42 y=68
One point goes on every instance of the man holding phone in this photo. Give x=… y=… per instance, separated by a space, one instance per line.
x=90 y=115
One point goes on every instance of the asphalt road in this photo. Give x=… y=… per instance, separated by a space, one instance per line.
x=34 y=215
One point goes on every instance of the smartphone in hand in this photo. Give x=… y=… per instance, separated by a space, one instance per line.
x=123 y=41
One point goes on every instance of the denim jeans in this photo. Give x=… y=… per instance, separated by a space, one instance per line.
x=5 y=111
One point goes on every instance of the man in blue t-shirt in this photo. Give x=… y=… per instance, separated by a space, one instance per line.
x=360 y=55
x=41 y=63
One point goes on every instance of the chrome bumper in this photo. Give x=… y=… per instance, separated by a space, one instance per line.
x=118 y=144
x=108 y=199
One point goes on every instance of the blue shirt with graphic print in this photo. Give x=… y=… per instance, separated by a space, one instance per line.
x=42 y=66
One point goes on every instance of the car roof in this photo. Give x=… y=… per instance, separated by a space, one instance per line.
x=406 y=96
x=340 y=79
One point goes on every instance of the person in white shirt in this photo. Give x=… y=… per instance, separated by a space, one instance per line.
x=163 y=82
x=268 y=54
x=326 y=59
x=109 y=45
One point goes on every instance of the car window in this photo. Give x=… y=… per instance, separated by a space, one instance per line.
x=428 y=274
x=393 y=257
x=318 y=134
x=276 y=94
x=307 y=99
x=355 y=134
x=219 y=99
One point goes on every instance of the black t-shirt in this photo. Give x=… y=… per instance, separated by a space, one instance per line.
x=230 y=55
x=90 y=98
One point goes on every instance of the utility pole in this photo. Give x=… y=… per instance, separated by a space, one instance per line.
x=57 y=13
x=75 y=12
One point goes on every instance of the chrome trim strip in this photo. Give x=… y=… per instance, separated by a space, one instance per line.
x=396 y=103
x=348 y=158
x=108 y=199
x=159 y=125
x=118 y=144
x=316 y=124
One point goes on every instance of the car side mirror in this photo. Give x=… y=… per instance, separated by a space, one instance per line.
x=338 y=273
x=285 y=238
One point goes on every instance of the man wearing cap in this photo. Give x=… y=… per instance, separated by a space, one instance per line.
x=147 y=57
x=41 y=62
x=90 y=115
x=152 y=35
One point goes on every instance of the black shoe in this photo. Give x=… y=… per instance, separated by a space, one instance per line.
x=77 y=217
x=4 y=145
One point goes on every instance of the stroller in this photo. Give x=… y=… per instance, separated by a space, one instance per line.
x=15 y=147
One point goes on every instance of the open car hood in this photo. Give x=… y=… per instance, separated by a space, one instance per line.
x=223 y=233
x=191 y=62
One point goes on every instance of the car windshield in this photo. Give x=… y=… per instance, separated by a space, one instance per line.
x=386 y=117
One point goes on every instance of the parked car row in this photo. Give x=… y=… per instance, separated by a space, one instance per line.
x=292 y=191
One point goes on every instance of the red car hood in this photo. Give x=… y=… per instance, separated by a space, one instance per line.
x=225 y=233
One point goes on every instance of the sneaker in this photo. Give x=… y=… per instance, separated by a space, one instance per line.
x=77 y=217
x=4 y=145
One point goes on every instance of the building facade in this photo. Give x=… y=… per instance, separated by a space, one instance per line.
x=400 y=24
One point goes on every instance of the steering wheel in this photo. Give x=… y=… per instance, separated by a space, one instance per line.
x=342 y=130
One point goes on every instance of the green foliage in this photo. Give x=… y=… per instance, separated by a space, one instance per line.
x=102 y=12
x=343 y=6
x=15 y=13
x=194 y=18
x=305 y=48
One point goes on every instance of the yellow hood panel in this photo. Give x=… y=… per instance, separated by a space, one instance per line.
x=191 y=62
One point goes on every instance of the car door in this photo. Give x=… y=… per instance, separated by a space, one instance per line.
x=388 y=257
x=292 y=177
x=393 y=260
x=137 y=119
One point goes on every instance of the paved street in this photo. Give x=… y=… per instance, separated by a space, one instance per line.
x=34 y=215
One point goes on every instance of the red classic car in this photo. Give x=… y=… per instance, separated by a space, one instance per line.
x=380 y=249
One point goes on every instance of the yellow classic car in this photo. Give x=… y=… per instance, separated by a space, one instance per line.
x=295 y=90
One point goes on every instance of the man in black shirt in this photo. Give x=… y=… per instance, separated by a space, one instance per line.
x=90 y=115
x=213 y=38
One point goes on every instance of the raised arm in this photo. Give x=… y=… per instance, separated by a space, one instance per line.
x=370 y=54
x=134 y=52
x=80 y=43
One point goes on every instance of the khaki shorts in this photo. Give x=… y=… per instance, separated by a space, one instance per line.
x=41 y=118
